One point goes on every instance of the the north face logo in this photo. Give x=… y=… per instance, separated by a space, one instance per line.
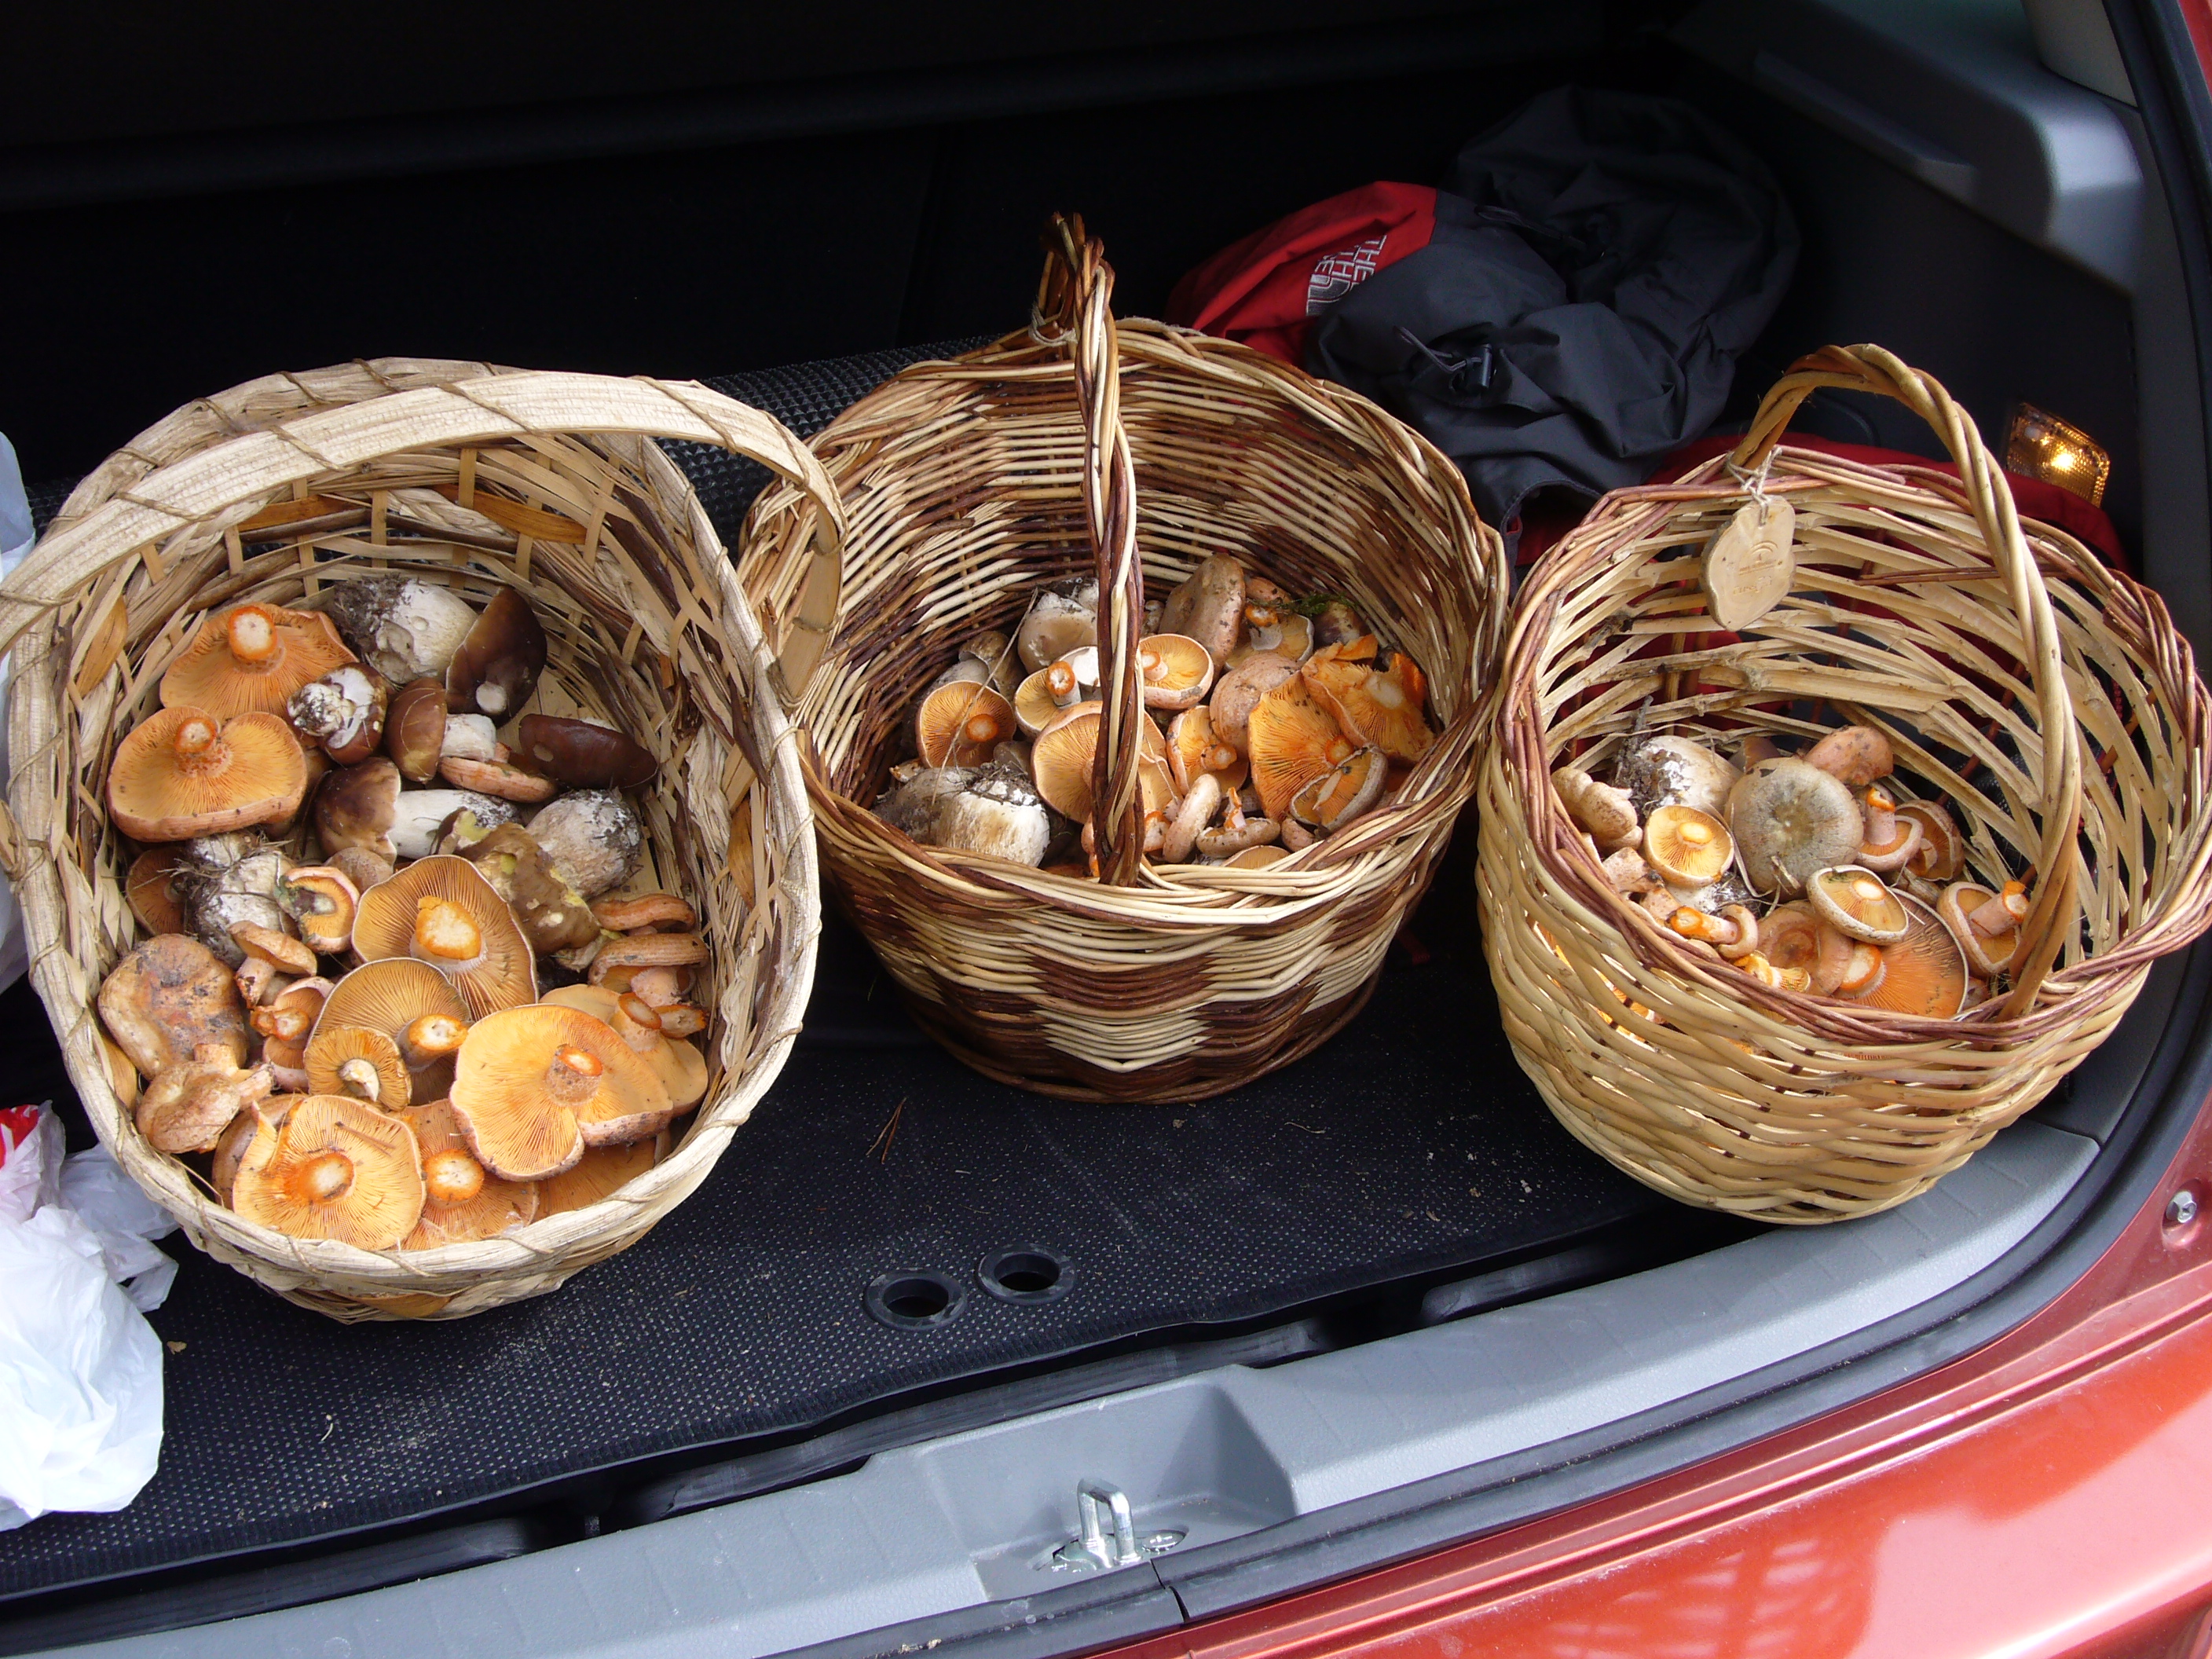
x=1335 y=275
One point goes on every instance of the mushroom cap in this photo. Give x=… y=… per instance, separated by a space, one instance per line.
x=1854 y=902
x=1208 y=607
x=187 y=1108
x=1790 y=819
x=462 y=1201
x=960 y=723
x=1193 y=814
x=1985 y=955
x=414 y=728
x=582 y=753
x=281 y=949
x=1034 y=708
x=1376 y=695
x=1292 y=738
x=390 y=995
x=263 y=1117
x=496 y=666
x=321 y=901
x=251 y=659
x=184 y=772
x=336 y=1169
x=1853 y=755
x=149 y=887
x=594 y=837
x=356 y=806
x=406 y=628
x=681 y=1067
x=1237 y=693
x=338 y=1055
x=1687 y=848
x=1060 y=759
x=290 y=1016
x=1054 y=624
x=1941 y=853
x=496 y=779
x=1664 y=769
x=1194 y=748
x=1606 y=811
x=169 y=998
x=342 y=714
x=392 y=921
x=1342 y=793
x=601 y=1173
x=1258 y=858
x=553 y=916
x=528 y=1113
x=1291 y=635
x=1790 y=936
x=1176 y=669
x=1923 y=973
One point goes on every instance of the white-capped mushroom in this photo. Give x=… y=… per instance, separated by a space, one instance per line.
x=1790 y=819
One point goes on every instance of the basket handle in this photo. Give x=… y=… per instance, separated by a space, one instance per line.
x=1075 y=301
x=233 y=476
x=1871 y=368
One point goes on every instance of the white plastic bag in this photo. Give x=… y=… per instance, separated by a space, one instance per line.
x=15 y=546
x=80 y=1368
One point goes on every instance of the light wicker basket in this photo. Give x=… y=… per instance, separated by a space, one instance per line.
x=1132 y=451
x=2046 y=697
x=477 y=477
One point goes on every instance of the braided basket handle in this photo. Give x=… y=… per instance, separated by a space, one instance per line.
x=226 y=483
x=1869 y=369
x=1075 y=302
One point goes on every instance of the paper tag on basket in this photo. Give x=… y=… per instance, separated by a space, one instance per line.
x=1749 y=565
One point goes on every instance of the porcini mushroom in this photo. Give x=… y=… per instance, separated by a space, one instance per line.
x=441 y=910
x=1376 y=695
x=997 y=813
x=1790 y=819
x=342 y=713
x=1341 y=793
x=1923 y=973
x=1208 y=607
x=357 y=805
x=1603 y=809
x=422 y=818
x=472 y=737
x=169 y=998
x=535 y=1084
x=250 y=660
x=361 y=866
x=583 y=754
x=594 y=837
x=225 y=880
x=960 y=723
x=321 y=901
x=1687 y=848
x=1175 y=670
x=187 y=1108
x=461 y=1200
x=1291 y=738
x=681 y=1068
x=404 y=628
x=1055 y=625
x=496 y=666
x=1192 y=747
x=336 y=1168
x=1237 y=693
x=1986 y=924
x=1890 y=840
x=1664 y=769
x=1853 y=755
x=360 y=1061
x=184 y=772
x=1854 y=902
x=415 y=725
x=553 y=916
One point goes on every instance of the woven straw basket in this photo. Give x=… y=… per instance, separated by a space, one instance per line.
x=1132 y=451
x=477 y=477
x=2048 y=699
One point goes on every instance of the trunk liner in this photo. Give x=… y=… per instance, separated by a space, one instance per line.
x=1409 y=1146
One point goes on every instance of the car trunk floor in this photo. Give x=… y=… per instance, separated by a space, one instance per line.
x=1409 y=1148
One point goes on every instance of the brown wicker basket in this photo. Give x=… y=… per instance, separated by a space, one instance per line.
x=1133 y=449
x=479 y=478
x=2049 y=699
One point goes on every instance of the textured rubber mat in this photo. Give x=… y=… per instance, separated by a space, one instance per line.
x=1409 y=1145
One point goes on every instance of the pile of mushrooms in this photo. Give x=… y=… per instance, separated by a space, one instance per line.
x=1806 y=871
x=365 y=867
x=1272 y=724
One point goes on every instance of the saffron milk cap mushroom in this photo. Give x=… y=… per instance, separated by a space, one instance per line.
x=1941 y=853
x=1854 y=902
x=1237 y=693
x=1790 y=936
x=250 y=660
x=1341 y=793
x=1061 y=757
x=335 y=1169
x=360 y=1062
x=461 y=1201
x=320 y=901
x=1923 y=973
x=1192 y=747
x=281 y=949
x=1890 y=839
x=1035 y=701
x=166 y=1000
x=960 y=723
x=1601 y=808
x=440 y=910
x=184 y=772
x=1985 y=923
x=1687 y=848
x=1208 y=607
x=535 y=1084
x=601 y=1173
x=149 y=887
x=1291 y=738
x=1175 y=669
x=1376 y=695
x=187 y=1108
x=1790 y=819
x=1853 y=755
x=681 y=1067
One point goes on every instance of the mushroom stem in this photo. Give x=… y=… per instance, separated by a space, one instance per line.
x=326 y=1178
x=574 y=1074
x=1696 y=924
x=445 y=933
x=361 y=1080
x=2002 y=915
x=197 y=746
x=1059 y=681
x=1889 y=842
x=252 y=635
x=429 y=1038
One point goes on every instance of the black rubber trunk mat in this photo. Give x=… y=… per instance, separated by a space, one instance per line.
x=1409 y=1146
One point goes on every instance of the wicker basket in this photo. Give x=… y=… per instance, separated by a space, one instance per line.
x=477 y=477
x=1133 y=451
x=2047 y=698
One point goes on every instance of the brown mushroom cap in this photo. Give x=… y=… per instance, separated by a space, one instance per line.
x=356 y=807
x=1853 y=755
x=251 y=659
x=1941 y=853
x=1376 y=696
x=187 y=1108
x=360 y=1062
x=960 y=723
x=1238 y=692
x=149 y=887
x=601 y=1173
x=1687 y=848
x=553 y=916
x=1291 y=738
x=441 y=910
x=500 y=658
x=1054 y=625
x=415 y=729
x=681 y=1067
x=1175 y=669
x=184 y=773
x=336 y=1169
x=581 y=754
x=1343 y=793
x=169 y=998
x=263 y=1117
x=1790 y=936
x=1208 y=607
x=1856 y=901
x=342 y=714
x=1923 y=973
x=461 y=1201
x=1790 y=819
x=1192 y=747
x=534 y=1084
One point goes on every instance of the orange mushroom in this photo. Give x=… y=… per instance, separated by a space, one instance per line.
x=1923 y=973
x=461 y=1201
x=1175 y=670
x=601 y=1173
x=360 y=1061
x=334 y=1168
x=535 y=1084
x=251 y=659
x=1194 y=747
x=960 y=723
x=1292 y=738
x=442 y=911
x=185 y=773
x=1376 y=695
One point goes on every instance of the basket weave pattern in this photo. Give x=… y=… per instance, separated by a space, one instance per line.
x=2047 y=699
x=1130 y=451
x=476 y=477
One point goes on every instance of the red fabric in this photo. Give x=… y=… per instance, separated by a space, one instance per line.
x=2033 y=497
x=1265 y=290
